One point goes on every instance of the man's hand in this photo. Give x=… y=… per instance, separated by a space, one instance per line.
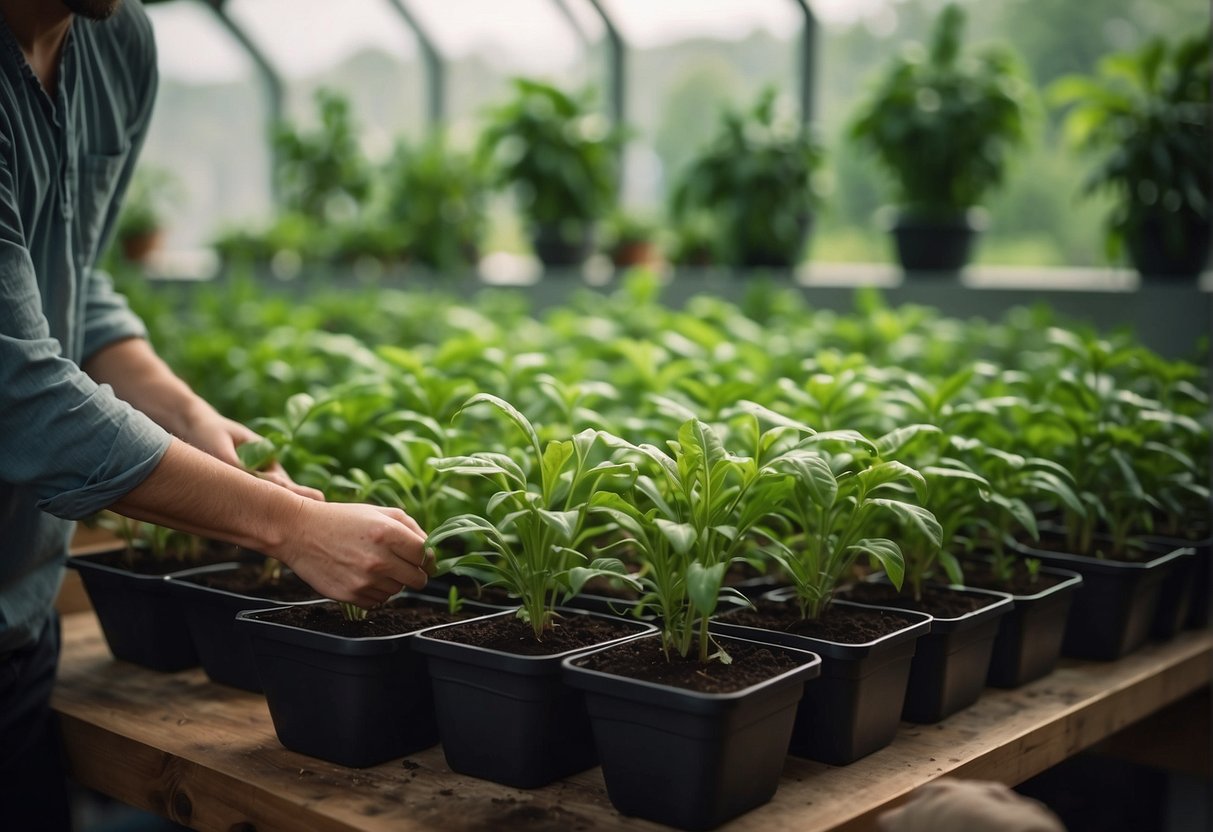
x=357 y=553
x=219 y=436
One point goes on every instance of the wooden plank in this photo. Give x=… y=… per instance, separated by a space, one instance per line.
x=206 y=755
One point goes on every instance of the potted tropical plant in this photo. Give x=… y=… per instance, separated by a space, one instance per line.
x=1146 y=115
x=942 y=124
x=141 y=225
x=830 y=519
x=706 y=716
x=758 y=180
x=504 y=713
x=631 y=240
x=560 y=159
x=435 y=198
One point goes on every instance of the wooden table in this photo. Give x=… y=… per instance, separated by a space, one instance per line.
x=206 y=755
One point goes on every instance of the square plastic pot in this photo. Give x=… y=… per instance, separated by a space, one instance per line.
x=1028 y=644
x=854 y=708
x=1113 y=614
x=511 y=718
x=353 y=701
x=1196 y=587
x=688 y=759
x=141 y=622
x=210 y=614
x=949 y=669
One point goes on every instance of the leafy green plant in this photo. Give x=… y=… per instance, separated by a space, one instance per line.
x=689 y=524
x=536 y=520
x=435 y=197
x=559 y=158
x=1145 y=115
x=148 y=200
x=757 y=180
x=322 y=175
x=942 y=123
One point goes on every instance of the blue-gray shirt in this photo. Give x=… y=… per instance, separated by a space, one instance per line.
x=68 y=447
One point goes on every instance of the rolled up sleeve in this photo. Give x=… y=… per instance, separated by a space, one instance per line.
x=70 y=440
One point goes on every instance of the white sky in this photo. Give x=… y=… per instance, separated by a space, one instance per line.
x=302 y=37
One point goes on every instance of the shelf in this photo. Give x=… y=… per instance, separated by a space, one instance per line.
x=206 y=755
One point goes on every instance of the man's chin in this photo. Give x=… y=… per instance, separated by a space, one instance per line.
x=93 y=9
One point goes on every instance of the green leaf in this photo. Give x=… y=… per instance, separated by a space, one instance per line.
x=886 y=553
x=554 y=457
x=893 y=441
x=891 y=471
x=257 y=454
x=765 y=414
x=298 y=408
x=564 y=523
x=812 y=472
x=511 y=412
x=703 y=586
x=916 y=516
x=952 y=567
x=681 y=536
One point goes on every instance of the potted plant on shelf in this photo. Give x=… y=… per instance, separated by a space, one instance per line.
x=631 y=240
x=942 y=124
x=504 y=713
x=435 y=198
x=1146 y=114
x=561 y=162
x=1105 y=435
x=141 y=225
x=829 y=520
x=141 y=622
x=758 y=181
x=706 y=716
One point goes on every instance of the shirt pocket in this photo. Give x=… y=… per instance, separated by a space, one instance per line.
x=99 y=175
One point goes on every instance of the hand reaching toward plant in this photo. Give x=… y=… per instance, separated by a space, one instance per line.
x=357 y=553
x=349 y=552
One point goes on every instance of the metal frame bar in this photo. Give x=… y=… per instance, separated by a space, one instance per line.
x=435 y=69
x=616 y=58
x=271 y=81
x=583 y=37
x=808 y=60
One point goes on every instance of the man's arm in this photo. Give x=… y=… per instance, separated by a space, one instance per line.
x=138 y=376
x=347 y=552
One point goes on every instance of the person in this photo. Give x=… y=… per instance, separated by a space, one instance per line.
x=90 y=417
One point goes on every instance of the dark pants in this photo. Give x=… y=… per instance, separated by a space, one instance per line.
x=33 y=782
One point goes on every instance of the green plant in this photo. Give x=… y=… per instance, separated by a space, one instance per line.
x=688 y=525
x=322 y=174
x=436 y=198
x=559 y=158
x=149 y=198
x=757 y=180
x=942 y=123
x=1146 y=115
x=536 y=519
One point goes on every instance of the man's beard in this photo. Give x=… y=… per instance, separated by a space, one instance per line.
x=93 y=9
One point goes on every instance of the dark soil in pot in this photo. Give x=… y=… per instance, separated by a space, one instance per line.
x=504 y=712
x=354 y=693
x=690 y=745
x=493 y=596
x=249 y=579
x=142 y=624
x=855 y=707
x=950 y=666
x=1029 y=636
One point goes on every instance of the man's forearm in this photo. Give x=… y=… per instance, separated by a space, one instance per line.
x=194 y=492
x=140 y=377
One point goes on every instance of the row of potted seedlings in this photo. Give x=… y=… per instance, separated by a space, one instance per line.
x=1066 y=470
x=812 y=503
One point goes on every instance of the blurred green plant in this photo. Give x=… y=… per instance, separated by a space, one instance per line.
x=558 y=156
x=757 y=181
x=943 y=123
x=1145 y=114
x=323 y=174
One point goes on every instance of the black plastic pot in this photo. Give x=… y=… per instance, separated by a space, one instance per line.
x=210 y=614
x=1028 y=644
x=1198 y=582
x=1113 y=614
x=353 y=701
x=1175 y=597
x=141 y=622
x=510 y=718
x=687 y=759
x=855 y=707
x=554 y=248
x=942 y=246
x=1176 y=247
